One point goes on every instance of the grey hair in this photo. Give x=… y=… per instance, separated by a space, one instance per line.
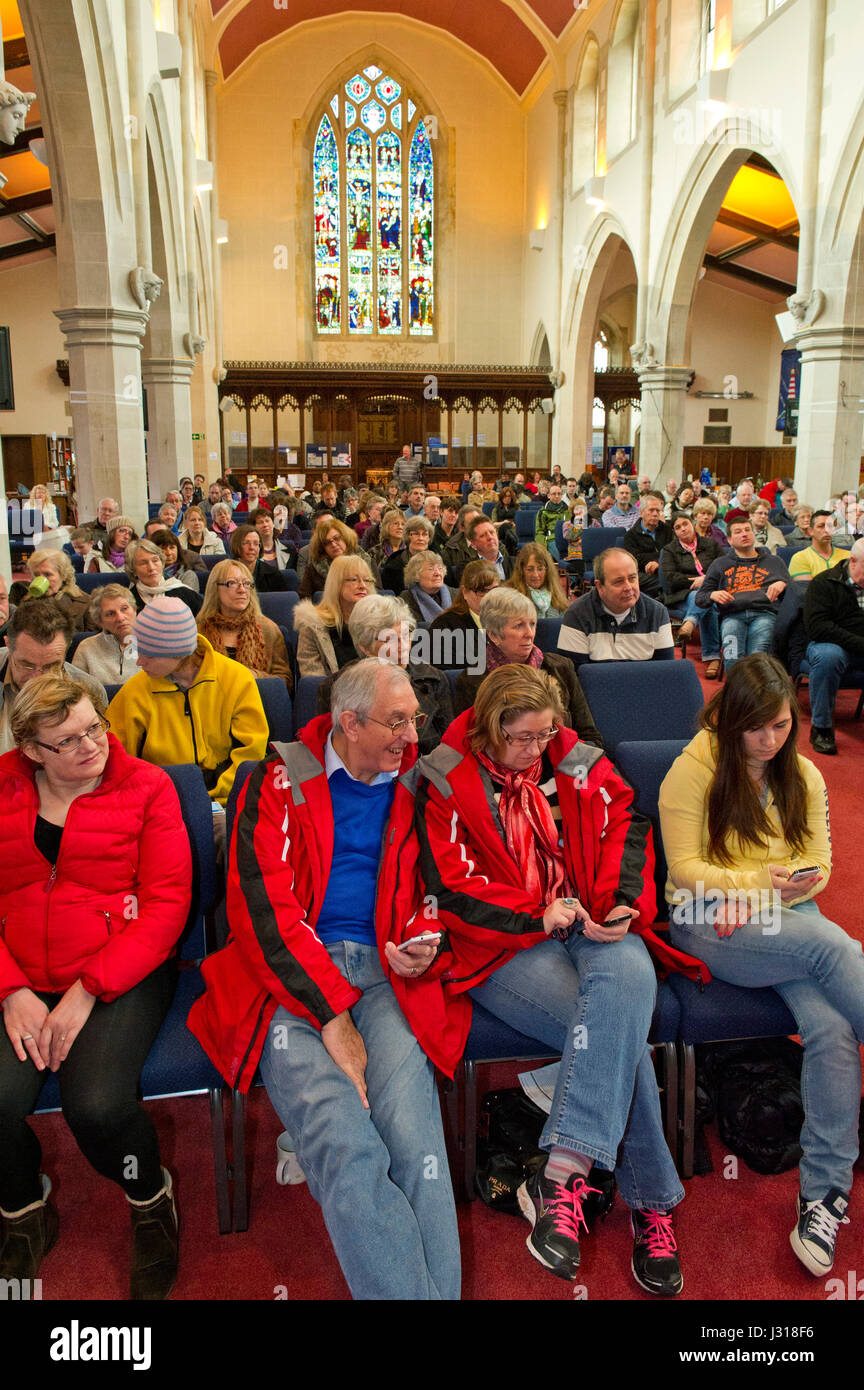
x=705 y=504
x=857 y=551
x=107 y=499
x=148 y=548
x=375 y=614
x=220 y=507
x=100 y=594
x=417 y=564
x=500 y=606
x=356 y=688
x=419 y=523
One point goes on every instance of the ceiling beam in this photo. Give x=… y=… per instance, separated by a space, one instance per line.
x=759 y=229
x=15 y=53
x=21 y=248
x=750 y=277
x=741 y=248
x=25 y=202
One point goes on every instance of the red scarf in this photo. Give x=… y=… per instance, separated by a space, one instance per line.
x=495 y=657
x=530 y=829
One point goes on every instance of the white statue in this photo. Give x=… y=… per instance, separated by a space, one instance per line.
x=14 y=106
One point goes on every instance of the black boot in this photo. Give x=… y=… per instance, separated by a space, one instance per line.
x=27 y=1236
x=155 y=1238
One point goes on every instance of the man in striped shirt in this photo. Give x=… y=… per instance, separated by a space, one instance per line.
x=613 y=621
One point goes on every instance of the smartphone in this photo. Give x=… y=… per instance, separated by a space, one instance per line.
x=617 y=921
x=804 y=873
x=424 y=937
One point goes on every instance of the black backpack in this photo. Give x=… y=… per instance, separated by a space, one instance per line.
x=755 y=1087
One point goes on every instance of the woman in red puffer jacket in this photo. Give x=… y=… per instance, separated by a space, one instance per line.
x=95 y=872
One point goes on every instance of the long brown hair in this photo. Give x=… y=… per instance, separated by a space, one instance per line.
x=517 y=580
x=753 y=694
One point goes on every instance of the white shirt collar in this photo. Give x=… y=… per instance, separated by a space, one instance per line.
x=333 y=763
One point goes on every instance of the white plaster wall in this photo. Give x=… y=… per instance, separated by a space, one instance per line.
x=734 y=334
x=28 y=297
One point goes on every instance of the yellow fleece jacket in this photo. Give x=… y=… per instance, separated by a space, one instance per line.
x=684 y=827
x=217 y=723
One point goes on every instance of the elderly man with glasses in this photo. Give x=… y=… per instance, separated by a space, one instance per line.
x=325 y=985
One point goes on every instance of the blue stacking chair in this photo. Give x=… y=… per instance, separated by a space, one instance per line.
x=279 y=607
x=306 y=699
x=785 y=552
x=546 y=636
x=277 y=707
x=526 y=520
x=211 y=560
x=176 y=1064
x=77 y=561
x=595 y=539
x=77 y=638
x=717 y=1012
x=488 y=507
x=88 y=582
x=639 y=700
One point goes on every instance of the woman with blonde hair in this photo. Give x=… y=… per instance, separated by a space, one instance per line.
x=196 y=536
x=55 y=567
x=232 y=621
x=330 y=539
x=324 y=643
x=535 y=575
x=41 y=502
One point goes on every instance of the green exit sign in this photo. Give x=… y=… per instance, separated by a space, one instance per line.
x=199 y=436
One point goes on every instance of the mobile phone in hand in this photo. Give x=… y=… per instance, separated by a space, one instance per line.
x=803 y=873
x=423 y=939
x=618 y=921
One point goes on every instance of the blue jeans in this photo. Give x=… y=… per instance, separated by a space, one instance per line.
x=827 y=663
x=819 y=971
x=744 y=633
x=381 y=1175
x=709 y=627
x=606 y=1103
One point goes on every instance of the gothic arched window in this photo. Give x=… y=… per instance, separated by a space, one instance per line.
x=374 y=210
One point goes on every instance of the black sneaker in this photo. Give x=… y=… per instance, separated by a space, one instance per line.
x=555 y=1212
x=655 y=1255
x=601 y=1199
x=815 y=1234
x=823 y=739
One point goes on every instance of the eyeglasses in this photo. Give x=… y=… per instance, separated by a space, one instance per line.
x=355 y=579
x=241 y=586
x=397 y=725
x=74 y=741
x=525 y=740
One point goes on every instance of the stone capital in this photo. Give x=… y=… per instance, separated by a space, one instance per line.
x=166 y=371
x=102 y=327
x=664 y=378
x=831 y=343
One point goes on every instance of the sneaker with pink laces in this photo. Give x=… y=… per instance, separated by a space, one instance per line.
x=555 y=1212
x=655 y=1254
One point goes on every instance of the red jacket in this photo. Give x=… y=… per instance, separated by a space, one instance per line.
x=119 y=899
x=278 y=869
x=481 y=899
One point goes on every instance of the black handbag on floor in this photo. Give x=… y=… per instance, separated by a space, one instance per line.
x=756 y=1087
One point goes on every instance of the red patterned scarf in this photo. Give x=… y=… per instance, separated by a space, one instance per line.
x=530 y=829
x=495 y=657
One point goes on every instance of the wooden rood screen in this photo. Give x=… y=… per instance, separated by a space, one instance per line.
x=294 y=417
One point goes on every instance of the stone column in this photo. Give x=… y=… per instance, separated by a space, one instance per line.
x=828 y=457
x=661 y=438
x=104 y=347
x=169 y=421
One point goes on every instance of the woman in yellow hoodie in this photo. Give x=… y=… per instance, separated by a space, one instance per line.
x=745 y=827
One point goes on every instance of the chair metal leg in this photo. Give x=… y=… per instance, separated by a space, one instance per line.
x=668 y=1059
x=452 y=1093
x=220 y=1161
x=860 y=705
x=470 y=1130
x=687 y=1109
x=238 y=1145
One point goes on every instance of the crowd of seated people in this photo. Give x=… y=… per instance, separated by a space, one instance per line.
x=547 y=929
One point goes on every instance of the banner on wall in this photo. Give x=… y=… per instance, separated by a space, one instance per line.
x=790 y=387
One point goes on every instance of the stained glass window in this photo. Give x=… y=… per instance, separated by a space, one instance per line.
x=374 y=212
x=421 y=192
x=328 y=300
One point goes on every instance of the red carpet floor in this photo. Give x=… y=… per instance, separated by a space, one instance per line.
x=732 y=1232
